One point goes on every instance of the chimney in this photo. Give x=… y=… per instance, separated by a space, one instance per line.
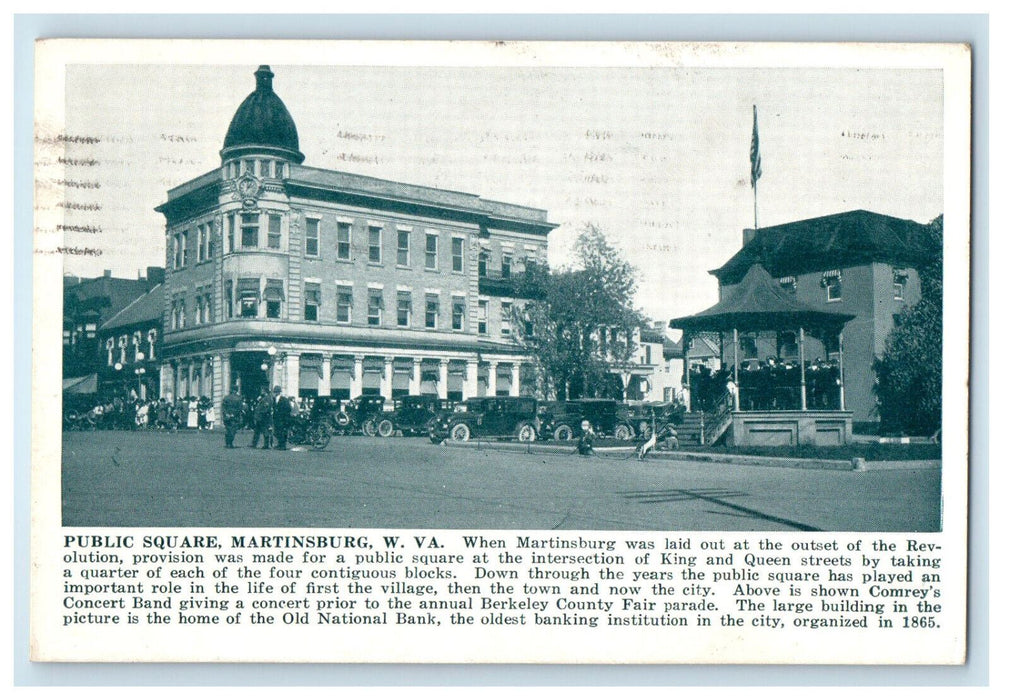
x=748 y=235
x=155 y=276
x=107 y=273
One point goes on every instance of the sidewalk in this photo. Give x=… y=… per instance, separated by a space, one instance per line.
x=628 y=452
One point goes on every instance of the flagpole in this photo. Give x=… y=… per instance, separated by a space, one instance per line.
x=755 y=206
x=755 y=165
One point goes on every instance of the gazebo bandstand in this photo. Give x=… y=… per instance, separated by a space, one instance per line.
x=757 y=304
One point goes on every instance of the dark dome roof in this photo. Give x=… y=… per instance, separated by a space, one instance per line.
x=262 y=123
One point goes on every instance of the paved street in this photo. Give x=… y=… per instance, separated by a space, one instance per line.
x=188 y=479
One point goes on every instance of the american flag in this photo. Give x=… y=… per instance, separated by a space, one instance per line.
x=755 y=153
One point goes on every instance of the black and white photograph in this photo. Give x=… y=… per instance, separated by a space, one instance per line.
x=558 y=294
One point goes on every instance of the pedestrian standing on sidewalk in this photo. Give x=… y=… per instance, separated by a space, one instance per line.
x=283 y=409
x=263 y=416
x=231 y=414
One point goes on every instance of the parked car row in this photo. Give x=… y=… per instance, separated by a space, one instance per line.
x=498 y=417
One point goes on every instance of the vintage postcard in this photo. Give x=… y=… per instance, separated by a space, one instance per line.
x=500 y=352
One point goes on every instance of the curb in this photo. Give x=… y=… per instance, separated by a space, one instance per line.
x=848 y=465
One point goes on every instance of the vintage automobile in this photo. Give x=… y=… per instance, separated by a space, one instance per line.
x=659 y=414
x=609 y=418
x=411 y=415
x=488 y=417
x=362 y=413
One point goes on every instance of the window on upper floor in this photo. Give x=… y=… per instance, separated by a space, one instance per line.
x=343 y=240
x=403 y=248
x=506 y=265
x=228 y=301
x=482 y=264
x=506 y=318
x=375 y=307
x=482 y=317
x=458 y=313
x=273 y=294
x=900 y=278
x=200 y=233
x=312 y=237
x=274 y=231
x=345 y=300
x=248 y=293
x=250 y=230
x=431 y=251
x=833 y=285
x=230 y=233
x=404 y=307
x=313 y=297
x=431 y=311
x=748 y=347
x=457 y=254
x=375 y=244
x=788 y=284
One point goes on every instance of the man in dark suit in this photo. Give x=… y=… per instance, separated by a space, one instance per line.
x=231 y=414
x=282 y=418
x=263 y=414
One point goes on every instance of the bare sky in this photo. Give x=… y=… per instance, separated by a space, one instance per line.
x=658 y=157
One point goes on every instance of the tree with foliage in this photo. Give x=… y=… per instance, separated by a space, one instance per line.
x=909 y=375
x=580 y=326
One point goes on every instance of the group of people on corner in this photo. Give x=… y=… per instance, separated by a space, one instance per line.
x=131 y=412
x=271 y=418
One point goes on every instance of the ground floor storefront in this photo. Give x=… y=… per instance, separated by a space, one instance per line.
x=344 y=372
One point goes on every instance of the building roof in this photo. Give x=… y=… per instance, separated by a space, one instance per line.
x=701 y=347
x=143 y=309
x=757 y=303
x=827 y=242
x=262 y=122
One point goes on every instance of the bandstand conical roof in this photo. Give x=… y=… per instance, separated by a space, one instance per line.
x=757 y=303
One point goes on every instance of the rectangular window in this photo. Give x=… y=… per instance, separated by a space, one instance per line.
x=403 y=248
x=900 y=278
x=264 y=168
x=312 y=237
x=247 y=166
x=208 y=307
x=198 y=312
x=274 y=231
x=375 y=305
x=403 y=309
x=228 y=308
x=231 y=233
x=482 y=317
x=431 y=251
x=457 y=254
x=248 y=297
x=482 y=264
x=345 y=299
x=343 y=240
x=250 y=230
x=431 y=311
x=313 y=297
x=200 y=233
x=834 y=287
x=506 y=318
x=278 y=169
x=273 y=294
x=458 y=313
x=375 y=244
x=748 y=347
x=788 y=284
x=176 y=251
x=506 y=266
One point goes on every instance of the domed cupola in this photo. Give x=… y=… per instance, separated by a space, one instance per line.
x=262 y=125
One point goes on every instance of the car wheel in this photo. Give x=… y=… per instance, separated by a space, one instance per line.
x=622 y=432
x=343 y=420
x=368 y=428
x=564 y=432
x=459 y=432
x=385 y=428
x=526 y=432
